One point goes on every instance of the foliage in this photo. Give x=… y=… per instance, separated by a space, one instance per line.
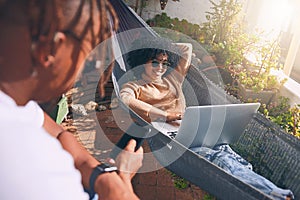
x=179 y=183
x=284 y=115
x=224 y=33
x=259 y=81
x=225 y=36
x=221 y=20
x=228 y=39
x=208 y=197
x=257 y=73
x=183 y=26
x=178 y=31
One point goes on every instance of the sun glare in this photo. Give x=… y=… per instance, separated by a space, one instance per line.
x=275 y=17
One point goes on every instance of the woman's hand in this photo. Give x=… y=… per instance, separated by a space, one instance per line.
x=173 y=116
x=158 y=115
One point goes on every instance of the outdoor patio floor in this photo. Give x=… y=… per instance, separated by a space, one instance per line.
x=98 y=132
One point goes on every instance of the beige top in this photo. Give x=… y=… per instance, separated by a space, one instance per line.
x=147 y=97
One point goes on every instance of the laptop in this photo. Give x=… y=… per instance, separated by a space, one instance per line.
x=210 y=125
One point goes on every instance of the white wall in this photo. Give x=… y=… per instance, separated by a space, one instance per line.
x=191 y=10
x=194 y=10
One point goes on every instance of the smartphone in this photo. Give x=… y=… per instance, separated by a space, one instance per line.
x=131 y=133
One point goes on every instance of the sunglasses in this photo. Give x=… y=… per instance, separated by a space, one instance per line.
x=164 y=64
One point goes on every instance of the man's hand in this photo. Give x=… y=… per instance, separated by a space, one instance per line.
x=128 y=161
x=109 y=186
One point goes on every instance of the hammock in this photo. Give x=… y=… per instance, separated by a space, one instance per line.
x=273 y=153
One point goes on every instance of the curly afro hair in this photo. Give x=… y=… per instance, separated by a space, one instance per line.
x=146 y=49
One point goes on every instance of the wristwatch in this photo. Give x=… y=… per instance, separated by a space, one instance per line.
x=100 y=169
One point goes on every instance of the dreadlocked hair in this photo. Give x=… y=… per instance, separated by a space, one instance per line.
x=44 y=21
x=44 y=17
x=74 y=17
x=43 y=30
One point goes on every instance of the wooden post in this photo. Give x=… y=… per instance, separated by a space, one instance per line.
x=292 y=53
x=136 y=5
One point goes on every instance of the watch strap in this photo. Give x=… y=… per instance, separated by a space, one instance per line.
x=100 y=169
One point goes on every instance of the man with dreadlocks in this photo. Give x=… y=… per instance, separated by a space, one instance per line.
x=43 y=43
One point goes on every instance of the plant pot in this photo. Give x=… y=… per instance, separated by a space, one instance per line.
x=264 y=96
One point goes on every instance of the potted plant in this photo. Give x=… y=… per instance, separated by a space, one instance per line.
x=285 y=115
x=225 y=37
x=254 y=76
x=223 y=26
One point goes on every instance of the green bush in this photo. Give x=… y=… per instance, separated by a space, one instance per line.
x=224 y=35
x=179 y=183
x=179 y=31
x=284 y=115
x=208 y=197
x=183 y=26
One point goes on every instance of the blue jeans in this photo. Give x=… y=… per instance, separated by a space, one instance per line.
x=224 y=157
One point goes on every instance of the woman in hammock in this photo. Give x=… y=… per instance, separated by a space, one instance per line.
x=160 y=68
x=157 y=94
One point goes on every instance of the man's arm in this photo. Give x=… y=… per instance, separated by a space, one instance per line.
x=107 y=185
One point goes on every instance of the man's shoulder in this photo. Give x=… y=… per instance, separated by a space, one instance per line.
x=30 y=156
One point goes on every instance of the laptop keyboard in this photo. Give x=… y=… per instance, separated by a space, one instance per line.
x=172 y=134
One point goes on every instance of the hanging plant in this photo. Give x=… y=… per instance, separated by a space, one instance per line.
x=163 y=4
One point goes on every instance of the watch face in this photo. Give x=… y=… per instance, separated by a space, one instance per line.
x=107 y=167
